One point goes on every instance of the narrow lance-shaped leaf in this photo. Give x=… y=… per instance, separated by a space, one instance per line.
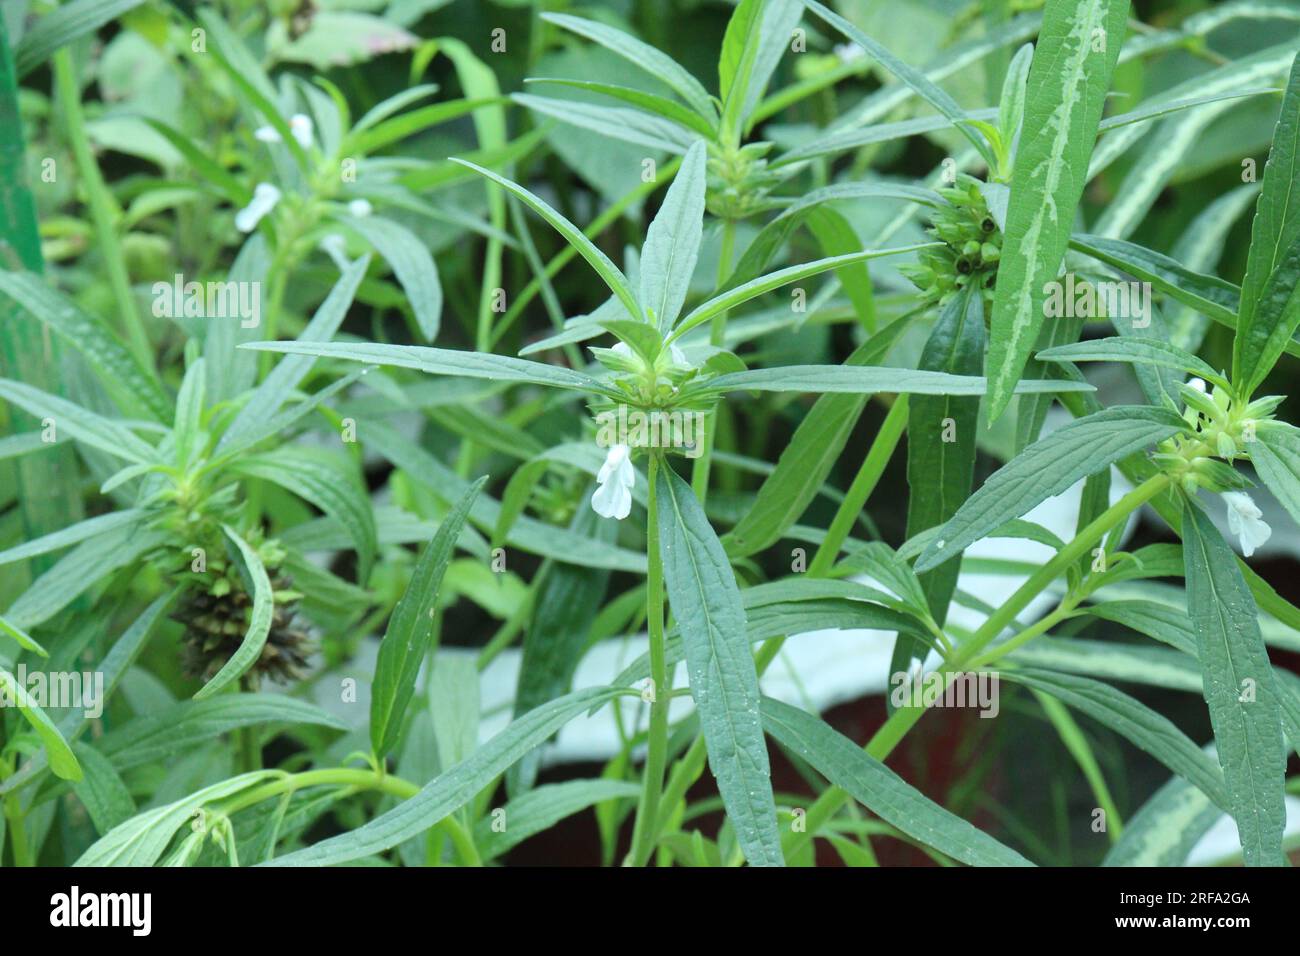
x=62 y=761
x=1047 y=468
x=882 y=791
x=1275 y=453
x=411 y=263
x=1270 y=309
x=807 y=459
x=259 y=619
x=606 y=269
x=672 y=243
x=451 y=790
x=706 y=602
x=643 y=56
x=1136 y=351
x=1068 y=81
x=410 y=629
x=941 y=439
x=567 y=602
x=1238 y=688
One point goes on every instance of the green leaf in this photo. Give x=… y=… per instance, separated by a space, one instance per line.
x=187 y=423
x=497 y=368
x=62 y=26
x=289 y=372
x=178 y=729
x=740 y=47
x=606 y=269
x=869 y=379
x=941 y=439
x=1275 y=453
x=81 y=568
x=73 y=534
x=62 y=761
x=880 y=790
x=101 y=791
x=22 y=638
x=330 y=482
x=672 y=243
x=566 y=605
x=118 y=368
x=842 y=140
x=1011 y=105
x=1269 y=309
x=259 y=620
x=1067 y=86
x=411 y=263
x=915 y=79
x=1048 y=467
x=1166 y=828
x=669 y=109
x=643 y=56
x=540 y=809
x=1137 y=351
x=1247 y=733
x=807 y=458
x=1160 y=621
x=142 y=840
x=79 y=423
x=706 y=602
x=1206 y=294
x=454 y=707
x=630 y=126
x=410 y=629
x=453 y=788
x=231 y=188
x=1131 y=719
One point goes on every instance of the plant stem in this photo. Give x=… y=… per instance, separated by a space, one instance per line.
x=644 y=831
x=103 y=208
x=904 y=718
x=17 y=828
x=873 y=466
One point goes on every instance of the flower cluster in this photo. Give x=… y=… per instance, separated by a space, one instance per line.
x=972 y=246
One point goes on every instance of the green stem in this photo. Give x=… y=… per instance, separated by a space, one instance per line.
x=644 y=831
x=16 y=826
x=250 y=751
x=717 y=335
x=904 y=718
x=873 y=466
x=104 y=212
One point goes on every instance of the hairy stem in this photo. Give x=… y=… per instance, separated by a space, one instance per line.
x=644 y=832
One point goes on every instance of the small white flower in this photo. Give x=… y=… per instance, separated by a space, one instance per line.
x=622 y=348
x=1197 y=384
x=848 y=52
x=301 y=127
x=334 y=247
x=613 y=495
x=265 y=196
x=360 y=208
x=1245 y=520
x=267 y=134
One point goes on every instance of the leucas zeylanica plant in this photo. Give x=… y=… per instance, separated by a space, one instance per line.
x=807 y=299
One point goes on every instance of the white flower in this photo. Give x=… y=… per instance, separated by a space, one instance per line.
x=848 y=52
x=622 y=348
x=265 y=196
x=360 y=208
x=613 y=495
x=301 y=127
x=1245 y=520
x=267 y=134
x=1197 y=384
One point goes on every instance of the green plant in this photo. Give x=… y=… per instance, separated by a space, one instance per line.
x=259 y=449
